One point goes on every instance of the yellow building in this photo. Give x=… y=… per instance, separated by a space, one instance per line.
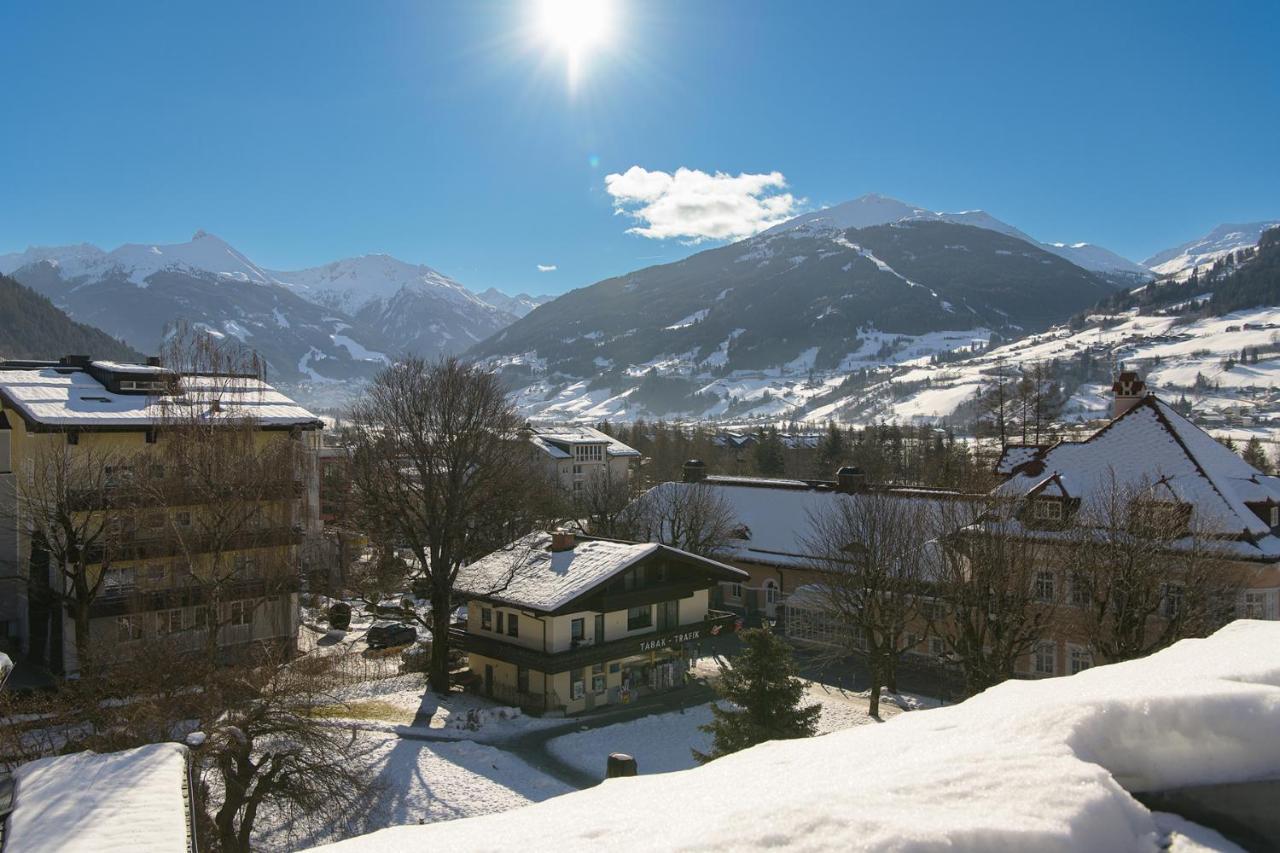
x=158 y=563
x=561 y=623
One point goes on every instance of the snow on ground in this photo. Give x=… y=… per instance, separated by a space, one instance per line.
x=662 y=743
x=1027 y=765
x=416 y=782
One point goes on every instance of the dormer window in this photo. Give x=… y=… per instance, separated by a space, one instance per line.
x=1047 y=509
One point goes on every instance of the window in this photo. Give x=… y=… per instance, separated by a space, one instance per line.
x=240 y=613
x=522 y=679
x=1255 y=605
x=1081 y=589
x=597 y=669
x=578 y=685
x=599 y=628
x=486 y=618
x=1048 y=509
x=128 y=628
x=169 y=621
x=577 y=470
x=1044 y=585
x=1275 y=516
x=770 y=592
x=577 y=630
x=1080 y=659
x=597 y=684
x=513 y=625
x=183 y=519
x=589 y=453
x=735 y=591
x=1171 y=602
x=937 y=647
x=1044 y=659
x=639 y=617
x=118 y=581
x=501 y=622
x=73 y=437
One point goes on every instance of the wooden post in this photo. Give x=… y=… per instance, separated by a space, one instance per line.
x=620 y=764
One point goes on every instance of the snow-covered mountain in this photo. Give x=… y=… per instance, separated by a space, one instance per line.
x=876 y=209
x=1210 y=247
x=324 y=325
x=518 y=305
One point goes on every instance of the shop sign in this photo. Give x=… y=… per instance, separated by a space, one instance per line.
x=687 y=637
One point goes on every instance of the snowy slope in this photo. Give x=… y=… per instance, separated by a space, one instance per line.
x=1028 y=765
x=518 y=305
x=876 y=209
x=1210 y=247
x=352 y=283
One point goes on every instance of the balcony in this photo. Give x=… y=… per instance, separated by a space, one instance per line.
x=173 y=493
x=717 y=622
x=133 y=546
x=117 y=601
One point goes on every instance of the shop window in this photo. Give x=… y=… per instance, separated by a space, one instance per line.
x=578 y=687
x=597 y=684
x=513 y=625
x=486 y=618
x=615 y=668
x=639 y=617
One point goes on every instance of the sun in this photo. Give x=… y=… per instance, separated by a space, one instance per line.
x=576 y=27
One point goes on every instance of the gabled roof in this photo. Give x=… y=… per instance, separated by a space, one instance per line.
x=528 y=574
x=1151 y=443
x=555 y=440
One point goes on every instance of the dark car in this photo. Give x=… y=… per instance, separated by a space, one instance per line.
x=386 y=635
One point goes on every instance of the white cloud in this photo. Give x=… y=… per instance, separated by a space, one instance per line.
x=546 y=267
x=697 y=206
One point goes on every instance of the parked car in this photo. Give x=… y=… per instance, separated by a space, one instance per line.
x=386 y=635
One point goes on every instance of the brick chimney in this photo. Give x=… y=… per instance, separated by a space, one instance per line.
x=1129 y=389
x=850 y=479
x=562 y=540
x=693 y=471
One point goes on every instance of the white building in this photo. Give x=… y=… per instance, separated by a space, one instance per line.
x=575 y=455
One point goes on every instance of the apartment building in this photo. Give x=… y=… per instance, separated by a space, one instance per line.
x=153 y=552
x=575 y=456
x=564 y=623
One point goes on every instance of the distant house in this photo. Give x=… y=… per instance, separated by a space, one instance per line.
x=564 y=623
x=135 y=801
x=575 y=455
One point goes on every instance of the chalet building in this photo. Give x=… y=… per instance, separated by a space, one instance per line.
x=773 y=521
x=1174 y=470
x=575 y=455
x=154 y=547
x=564 y=623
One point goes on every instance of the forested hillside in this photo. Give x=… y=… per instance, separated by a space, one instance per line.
x=32 y=327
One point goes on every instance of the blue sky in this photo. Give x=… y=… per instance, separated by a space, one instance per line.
x=446 y=133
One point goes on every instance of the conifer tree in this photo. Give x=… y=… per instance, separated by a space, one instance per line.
x=1255 y=455
x=770 y=454
x=762 y=683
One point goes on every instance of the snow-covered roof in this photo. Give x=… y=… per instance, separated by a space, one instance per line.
x=1152 y=444
x=71 y=397
x=777 y=514
x=527 y=573
x=1027 y=765
x=128 y=801
x=1016 y=454
x=548 y=437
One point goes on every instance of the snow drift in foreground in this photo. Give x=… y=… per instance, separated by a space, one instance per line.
x=1027 y=765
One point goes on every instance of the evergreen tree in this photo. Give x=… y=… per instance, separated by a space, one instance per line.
x=831 y=451
x=771 y=460
x=1255 y=455
x=762 y=683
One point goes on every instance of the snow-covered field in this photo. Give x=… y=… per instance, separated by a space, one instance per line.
x=416 y=782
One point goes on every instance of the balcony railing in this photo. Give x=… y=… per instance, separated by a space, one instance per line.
x=120 y=600
x=132 y=494
x=134 y=546
x=717 y=622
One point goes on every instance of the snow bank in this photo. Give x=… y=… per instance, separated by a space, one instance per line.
x=125 y=801
x=1024 y=766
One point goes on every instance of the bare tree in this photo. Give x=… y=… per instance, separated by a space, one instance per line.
x=878 y=564
x=1145 y=571
x=996 y=599
x=75 y=504
x=601 y=503
x=272 y=748
x=693 y=517
x=439 y=469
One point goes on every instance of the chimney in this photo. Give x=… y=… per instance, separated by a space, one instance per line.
x=850 y=479
x=562 y=540
x=693 y=471
x=1129 y=389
